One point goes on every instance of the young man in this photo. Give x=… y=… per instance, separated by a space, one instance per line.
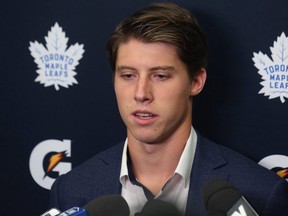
x=158 y=56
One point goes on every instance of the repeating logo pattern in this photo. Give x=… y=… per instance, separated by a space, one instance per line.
x=276 y=163
x=48 y=160
x=274 y=71
x=56 y=63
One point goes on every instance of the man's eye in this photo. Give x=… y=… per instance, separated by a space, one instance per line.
x=161 y=76
x=127 y=76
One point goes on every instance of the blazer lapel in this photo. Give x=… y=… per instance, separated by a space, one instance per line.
x=208 y=163
x=110 y=170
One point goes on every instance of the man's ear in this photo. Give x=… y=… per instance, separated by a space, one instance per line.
x=198 y=82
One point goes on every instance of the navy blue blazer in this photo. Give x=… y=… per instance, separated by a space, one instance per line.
x=264 y=190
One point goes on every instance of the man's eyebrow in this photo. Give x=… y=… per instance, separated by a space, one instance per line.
x=123 y=67
x=164 y=68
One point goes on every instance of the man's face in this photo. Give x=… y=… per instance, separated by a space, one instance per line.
x=153 y=91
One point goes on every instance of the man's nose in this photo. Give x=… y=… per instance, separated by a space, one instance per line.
x=143 y=93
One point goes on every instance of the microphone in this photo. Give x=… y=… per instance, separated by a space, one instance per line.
x=51 y=212
x=75 y=211
x=109 y=205
x=221 y=199
x=155 y=207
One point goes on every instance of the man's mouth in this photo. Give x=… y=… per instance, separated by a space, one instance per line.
x=143 y=115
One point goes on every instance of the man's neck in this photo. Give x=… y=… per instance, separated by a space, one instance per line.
x=154 y=164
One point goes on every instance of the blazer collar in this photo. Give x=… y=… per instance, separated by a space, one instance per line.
x=209 y=163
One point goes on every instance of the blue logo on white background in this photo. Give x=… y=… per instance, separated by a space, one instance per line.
x=56 y=63
x=274 y=71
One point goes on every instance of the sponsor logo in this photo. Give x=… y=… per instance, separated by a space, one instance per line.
x=56 y=63
x=48 y=160
x=74 y=211
x=274 y=71
x=277 y=163
x=241 y=212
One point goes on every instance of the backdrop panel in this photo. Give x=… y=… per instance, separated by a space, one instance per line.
x=57 y=101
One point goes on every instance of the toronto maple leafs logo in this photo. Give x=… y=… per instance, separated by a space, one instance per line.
x=274 y=71
x=56 y=64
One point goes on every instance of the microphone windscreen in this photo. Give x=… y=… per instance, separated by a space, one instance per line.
x=109 y=205
x=215 y=213
x=155 y=207
x=219 y=195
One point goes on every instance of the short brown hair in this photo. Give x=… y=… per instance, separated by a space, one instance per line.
x=163 y=22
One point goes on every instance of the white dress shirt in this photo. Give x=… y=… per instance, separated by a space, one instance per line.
x=175 y=191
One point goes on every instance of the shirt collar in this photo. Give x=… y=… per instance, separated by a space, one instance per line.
x=124 y=168
x=184 y=165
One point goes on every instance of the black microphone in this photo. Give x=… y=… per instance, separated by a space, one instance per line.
x=221 y=199
x=155 y=207
x=109 y=205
